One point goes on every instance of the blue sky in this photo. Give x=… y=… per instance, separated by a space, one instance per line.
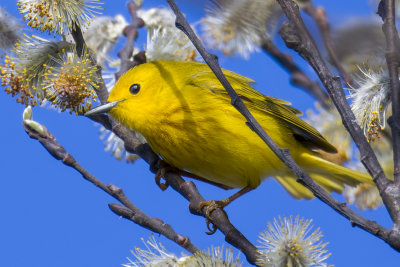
x=52 y=217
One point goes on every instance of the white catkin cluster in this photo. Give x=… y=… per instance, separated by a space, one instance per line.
x=240 y=26
x=288 y=242
x=371 y=99
x=58 y=16
x=155 y=255
x=102 y=34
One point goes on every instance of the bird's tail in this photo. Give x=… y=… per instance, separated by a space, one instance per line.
x=330 y=176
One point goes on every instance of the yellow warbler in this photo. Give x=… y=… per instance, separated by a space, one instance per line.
x=186 y=117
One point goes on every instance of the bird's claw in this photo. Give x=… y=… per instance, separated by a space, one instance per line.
x=163 y=168
x=214 y=228
x=159 y=175
x=210 y=206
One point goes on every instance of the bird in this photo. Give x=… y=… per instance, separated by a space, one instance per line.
x=186 y=117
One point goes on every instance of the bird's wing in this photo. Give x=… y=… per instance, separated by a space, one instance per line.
x=302 y=131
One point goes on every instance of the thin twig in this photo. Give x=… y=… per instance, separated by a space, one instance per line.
x=135 y=214
x=131 y=33
x=298 y=38
x=319 y=16
x=386 y=11
x=283 y=154
x=128 y=214
x=297 y=76
x=79 y=40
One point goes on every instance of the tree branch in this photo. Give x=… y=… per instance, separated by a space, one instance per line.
x=135 y=214
x=298 y=38
x=128 y=214
x=386 y=11
x=131 y=33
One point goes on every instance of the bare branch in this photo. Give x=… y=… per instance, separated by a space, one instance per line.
x=79 y=40
x=298 y=38
x=131 y=33
x=135 y=214
x=128 y=214
x=386 y=11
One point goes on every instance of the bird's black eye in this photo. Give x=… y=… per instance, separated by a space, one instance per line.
x=134 y=89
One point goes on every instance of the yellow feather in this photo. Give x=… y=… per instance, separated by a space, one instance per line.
x=186 y=116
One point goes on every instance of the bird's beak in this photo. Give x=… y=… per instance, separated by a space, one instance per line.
x=102 y=108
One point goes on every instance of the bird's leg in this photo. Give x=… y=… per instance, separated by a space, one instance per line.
x=212 y=205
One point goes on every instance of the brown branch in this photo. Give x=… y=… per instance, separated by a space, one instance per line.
x=218 y=217
x=128 y=214
x=79 y=40
x=297 y=76
x=319 y=16
x=283 y=154
x=131 y=33
x=386 y=11
x=298 y=38
x=129 y=210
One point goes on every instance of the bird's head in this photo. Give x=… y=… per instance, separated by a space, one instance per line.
x=133 y=99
